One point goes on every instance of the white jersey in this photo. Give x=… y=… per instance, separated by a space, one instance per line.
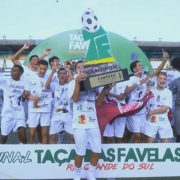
x=172 y=75
x=36 y=86
x=12 y=93
x=84 y=111
x=138 y=93
x=27 y=73
x=62 y=103
x=160 y=99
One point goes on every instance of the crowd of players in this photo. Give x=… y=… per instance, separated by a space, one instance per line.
x=50 y=102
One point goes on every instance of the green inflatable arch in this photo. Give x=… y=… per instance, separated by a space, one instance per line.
x=70 y=45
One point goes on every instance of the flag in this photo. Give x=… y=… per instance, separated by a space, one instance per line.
x=109 y=110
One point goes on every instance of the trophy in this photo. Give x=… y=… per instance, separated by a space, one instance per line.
x=100 y=66
x=101 y=74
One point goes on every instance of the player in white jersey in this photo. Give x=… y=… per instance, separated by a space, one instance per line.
x=39 y=105
x=13 y=117
x=62 y=109
x=54 y=61
x=136 y=91
x=157 y=116
x=29 y=70
x=85 y=123
x=33 y=60
x=115 y=131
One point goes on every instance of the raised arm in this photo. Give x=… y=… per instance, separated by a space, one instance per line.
x=160 y=67
x=45 y=53
x=76 y=93
x=48 y=82
x=15 y=57
x=70 y=76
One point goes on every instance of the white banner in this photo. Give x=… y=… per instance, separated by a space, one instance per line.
x=116 y=160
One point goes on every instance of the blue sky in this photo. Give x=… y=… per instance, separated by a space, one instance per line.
x=145 y=19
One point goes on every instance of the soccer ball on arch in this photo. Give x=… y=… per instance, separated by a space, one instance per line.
x=90 y=21
x=89 y=11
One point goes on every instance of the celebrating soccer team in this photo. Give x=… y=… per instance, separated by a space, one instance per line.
x=51 y=102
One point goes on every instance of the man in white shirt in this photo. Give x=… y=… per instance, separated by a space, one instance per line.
x=39 y=105
x=136 y=91
x=33 y=60
x=29 y=70
x=61 y=118
x=115 y=131
x=13 y=117
x=158 y=107
x=85 y=123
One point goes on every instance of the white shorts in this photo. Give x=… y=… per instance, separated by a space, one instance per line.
x=61 y=122
x=163 y=131
x=8 y=124
x=116 y=129
x=86 y=137
x=136 y=123
x=36 y=118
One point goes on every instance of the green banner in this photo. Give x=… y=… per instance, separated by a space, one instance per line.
x=70 y=45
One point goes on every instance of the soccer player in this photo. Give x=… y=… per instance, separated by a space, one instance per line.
x=29 y=70
x=115 y=131
x=85 y=123
x=13 y=117
x=39 y=105
x=136 y=91
x=62 y=111
x=54 y=61
x=33 y=60
x=157 y=116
